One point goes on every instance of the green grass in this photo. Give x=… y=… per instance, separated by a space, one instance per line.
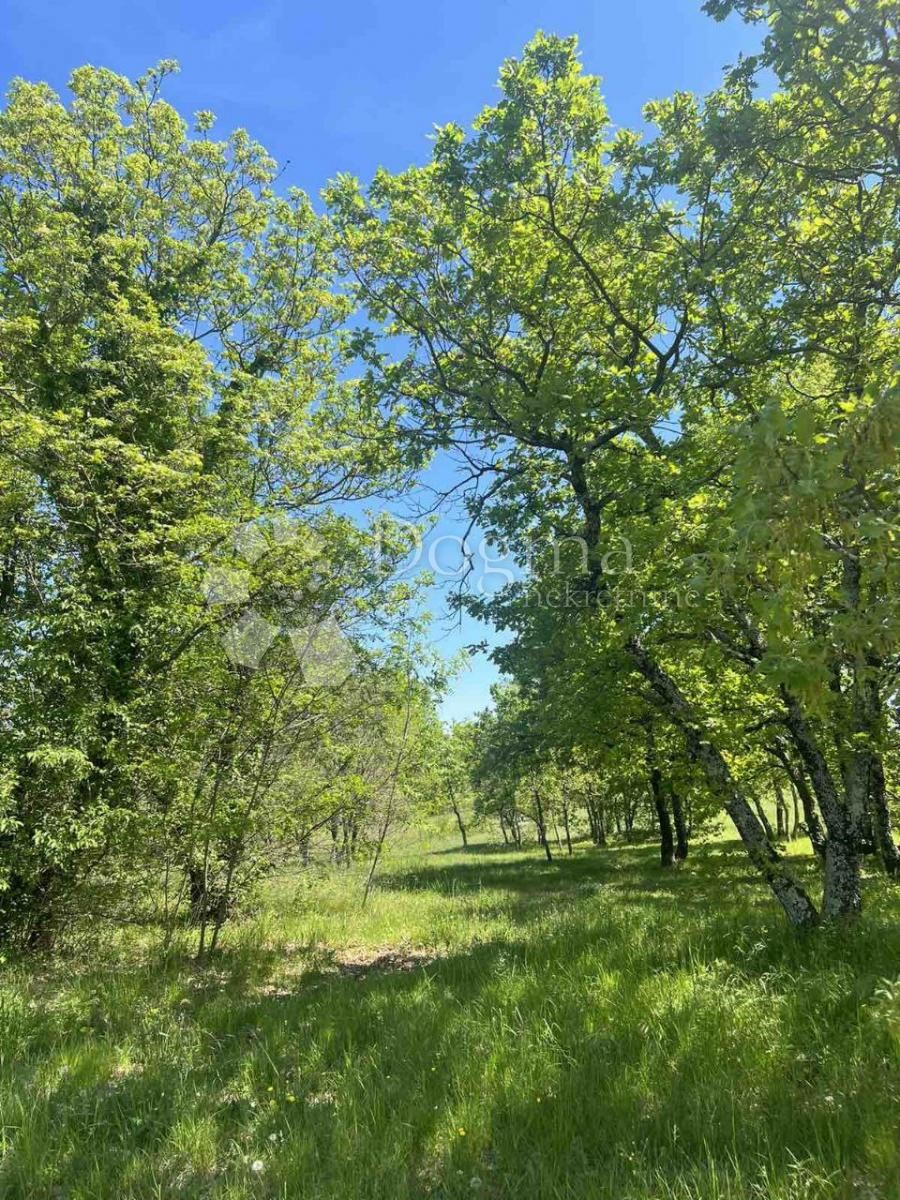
x=594 y=1028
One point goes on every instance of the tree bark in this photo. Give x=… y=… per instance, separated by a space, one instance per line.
x=811 y=819
x=566 y=830
x=682 y=839
x=796 y=903
x=556 y=833
x=881 y=819
x=630 y=814
x=842 y=894
x=601 y=824
x=841 y=898
x=666 y=836
x=763 y=819
x=795 y=823
x=541 y=826
x=517 y=830
x=459 y=821
x=781 y=811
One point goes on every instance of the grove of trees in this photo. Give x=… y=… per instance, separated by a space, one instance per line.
x=684 y=344
x=666 y=366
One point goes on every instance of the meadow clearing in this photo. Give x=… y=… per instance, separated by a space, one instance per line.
x=488 y=1025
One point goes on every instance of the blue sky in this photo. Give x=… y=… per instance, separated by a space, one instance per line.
x=354 y=85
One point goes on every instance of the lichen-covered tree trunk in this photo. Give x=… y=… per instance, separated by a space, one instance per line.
x=792 y=897
x=842 y=893
x=881 y=820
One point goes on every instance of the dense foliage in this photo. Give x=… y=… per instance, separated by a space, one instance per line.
x=198 y=639
x=667 y=366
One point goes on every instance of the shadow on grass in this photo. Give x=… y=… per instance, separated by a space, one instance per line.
x=716 y=873
x=628 y=1037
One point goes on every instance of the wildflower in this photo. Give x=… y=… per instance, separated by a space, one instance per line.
x=257 y=1166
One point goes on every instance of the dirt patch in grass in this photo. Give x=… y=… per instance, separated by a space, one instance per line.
x=355 y=962
x=361 y=960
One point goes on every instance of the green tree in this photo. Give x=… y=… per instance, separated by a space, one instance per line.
x=171 y=369
x=624 y=332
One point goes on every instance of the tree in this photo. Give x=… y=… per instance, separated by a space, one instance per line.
x=172 y=372
x=452 y=769
x=622 y=334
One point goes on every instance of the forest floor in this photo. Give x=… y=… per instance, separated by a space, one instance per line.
x=490 y=1025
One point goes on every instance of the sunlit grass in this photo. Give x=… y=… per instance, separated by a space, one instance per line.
x=489 y=1024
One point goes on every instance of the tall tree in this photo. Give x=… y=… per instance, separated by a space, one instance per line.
x=171 y=370
x=616 y=325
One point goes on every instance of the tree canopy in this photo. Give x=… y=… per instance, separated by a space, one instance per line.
x=665 y=365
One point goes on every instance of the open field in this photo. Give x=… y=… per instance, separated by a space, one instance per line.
x=488 y=1026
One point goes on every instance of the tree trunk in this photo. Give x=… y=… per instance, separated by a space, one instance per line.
x=565 y=817
x=515 y=825
x=857 y=786
x=556 y=833
x=601 y=825
x=781 y=811
x=596 y=820
x=842 y=895
x=541 y=827
x=841 y=898
x=592 y=819
x=459 y=821
x=666 y=836
x=811 y=819
x=630 y=814
x=881 y=819
x=681 y=828
x=763 y=819
x=345 y=841
x=795 y=824
x=792 y=897
x=196 y=892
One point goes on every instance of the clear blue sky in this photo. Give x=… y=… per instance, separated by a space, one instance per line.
x=353 y=85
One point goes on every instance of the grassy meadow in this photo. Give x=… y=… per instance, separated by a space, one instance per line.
x=489 y=1025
